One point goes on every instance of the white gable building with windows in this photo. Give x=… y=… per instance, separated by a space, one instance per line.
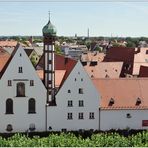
x=23 y=96
x=31 y=103
x=77 y=103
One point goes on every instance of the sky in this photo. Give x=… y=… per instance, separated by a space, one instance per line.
x=105 y=18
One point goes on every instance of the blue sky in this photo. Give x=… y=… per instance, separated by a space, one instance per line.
x=102 y=18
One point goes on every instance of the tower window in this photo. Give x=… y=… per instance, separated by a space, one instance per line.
x=9 y=83
x=70 y=103
x=9 y=106
x=69 y=116
x=31 y=82
x=80 y=90
x=31 y=106
x=20 y=89
x=81 y=79
x=81 y=103
x=20 y=70
x=81 y=116
x=91 y=115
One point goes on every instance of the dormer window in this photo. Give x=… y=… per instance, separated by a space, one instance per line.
x=111 y=102
x=93 y=63
x=106 y=76
x=138 y=102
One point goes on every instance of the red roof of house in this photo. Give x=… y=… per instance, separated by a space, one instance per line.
x=6 y=60
x=92 y=56
x=9 y=43
x=118 y=54
x=61 y=63
x=4 y=57
x=59 y=75
x=104 y=69
x=123 y=91
x=121 y=54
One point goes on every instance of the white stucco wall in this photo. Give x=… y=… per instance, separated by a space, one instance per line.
x=21 y=120
x=57 y=116
x=117 y=119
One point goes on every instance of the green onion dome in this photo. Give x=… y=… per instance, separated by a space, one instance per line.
x=49 y=29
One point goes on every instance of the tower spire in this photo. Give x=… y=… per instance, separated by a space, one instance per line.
x=49 y=14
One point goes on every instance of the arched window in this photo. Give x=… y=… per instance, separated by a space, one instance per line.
x=31 y=106
x=20 y=89
x=9 y=106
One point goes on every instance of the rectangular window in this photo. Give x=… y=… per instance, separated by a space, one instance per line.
x=91 y=115
x=80 y=90
x=70 y=103
x=81 y=103
x=31 y=82
x=9 y=83
x=20 y=70
x=69 y=91
x=69 y=116
x=81 y=116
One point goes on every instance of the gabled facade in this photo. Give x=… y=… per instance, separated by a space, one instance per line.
x=22 y=96
x=76 y=104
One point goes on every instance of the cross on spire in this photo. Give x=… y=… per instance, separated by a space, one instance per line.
x=49 y=15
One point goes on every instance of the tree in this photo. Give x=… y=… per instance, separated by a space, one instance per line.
x=58 y=49
x=131 y=44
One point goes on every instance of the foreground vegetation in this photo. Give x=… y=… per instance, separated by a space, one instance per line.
x=71 y=140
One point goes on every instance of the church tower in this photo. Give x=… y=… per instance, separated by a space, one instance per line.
x=49 y=35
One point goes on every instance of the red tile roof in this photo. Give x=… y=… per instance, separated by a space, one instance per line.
x=59 y=75
x=104 y=69
x=5 y=62
x=125 y=93
x=92 y=56
x=121 y=54
x=118 y=54
x=4 y=57
x=61 y=63
x=9 y=43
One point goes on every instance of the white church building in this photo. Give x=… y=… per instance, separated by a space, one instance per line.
x=59 y=95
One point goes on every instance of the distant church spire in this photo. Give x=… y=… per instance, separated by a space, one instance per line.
x=88 y=33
